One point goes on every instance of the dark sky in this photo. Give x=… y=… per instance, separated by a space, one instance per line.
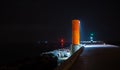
x=33 y=20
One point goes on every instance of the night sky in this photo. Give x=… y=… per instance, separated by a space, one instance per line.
x=33 y=20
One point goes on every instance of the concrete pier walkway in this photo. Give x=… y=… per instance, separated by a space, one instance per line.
x=98 y=58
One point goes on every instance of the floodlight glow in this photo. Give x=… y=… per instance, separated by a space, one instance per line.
x=100 y=45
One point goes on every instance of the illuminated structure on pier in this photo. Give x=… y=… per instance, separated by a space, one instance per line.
x=75 y=35
x=75 y=32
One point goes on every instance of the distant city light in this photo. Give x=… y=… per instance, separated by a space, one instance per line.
x=62 y=42
x=91 y=36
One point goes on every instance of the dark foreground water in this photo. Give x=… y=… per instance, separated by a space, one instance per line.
x=19 y=56
x=98 y=58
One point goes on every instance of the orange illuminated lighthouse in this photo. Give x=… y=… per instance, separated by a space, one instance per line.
x=75 y=35
x=75 y=32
